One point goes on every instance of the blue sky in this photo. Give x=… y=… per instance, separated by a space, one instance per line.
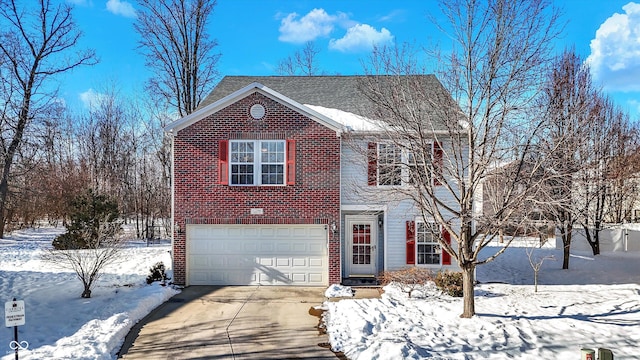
x=255 y=35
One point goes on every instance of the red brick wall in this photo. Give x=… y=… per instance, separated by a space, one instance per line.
x=315 y=197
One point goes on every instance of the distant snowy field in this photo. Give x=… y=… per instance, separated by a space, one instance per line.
x=59 y=324
x=596 y=303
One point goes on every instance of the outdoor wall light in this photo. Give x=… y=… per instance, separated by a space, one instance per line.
x=178 y=228
x=334 y=227
x=380 y=222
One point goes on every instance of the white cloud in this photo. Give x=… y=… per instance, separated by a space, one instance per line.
x=615 y=51
x=79 y=2
x=91 y=98
x=317 y=23
x=361 y=37
x=123 y=8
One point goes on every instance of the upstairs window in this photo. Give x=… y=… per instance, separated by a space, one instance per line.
x=257 y=162
x=390 y=165
x=242 y=163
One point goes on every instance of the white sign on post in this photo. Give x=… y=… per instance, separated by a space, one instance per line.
x=14 y=313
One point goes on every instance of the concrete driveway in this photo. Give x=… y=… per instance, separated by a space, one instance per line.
x=235 y=322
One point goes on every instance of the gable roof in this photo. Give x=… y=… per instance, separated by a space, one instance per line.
x=335 y=92
x=212 y=107
x=315 y=96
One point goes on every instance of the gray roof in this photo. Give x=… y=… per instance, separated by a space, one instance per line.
x=336 y=92
x=344 y=92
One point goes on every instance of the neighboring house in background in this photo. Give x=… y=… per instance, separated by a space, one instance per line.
x=528 y=219
x=266 y=180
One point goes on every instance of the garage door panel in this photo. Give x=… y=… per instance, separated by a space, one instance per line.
x=299 y=262
x=316 y=262
x=300 y=248
x=316 y=278
x=257 y=254
x=316 y=248
x=299 y=277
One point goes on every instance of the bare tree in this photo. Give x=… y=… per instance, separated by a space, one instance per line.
x=88 y=263
x=92 y=240
x=37 y=44
x=302 y=62
x=536 y=264
x=623 y=169
x=500 y=48
x=178 y=49
x=609 y=138
x=568 y=108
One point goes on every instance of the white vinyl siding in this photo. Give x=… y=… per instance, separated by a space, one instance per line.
x=355 y=193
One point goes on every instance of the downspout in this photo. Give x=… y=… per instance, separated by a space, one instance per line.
x=341 y=229
x=173 y=207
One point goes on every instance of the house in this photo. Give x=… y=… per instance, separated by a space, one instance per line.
x=265 y=187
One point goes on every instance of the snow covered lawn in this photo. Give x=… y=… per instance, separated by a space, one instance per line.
x=596 y=303
x=59 y=324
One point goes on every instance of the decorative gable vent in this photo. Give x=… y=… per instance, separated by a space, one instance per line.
x=257 y=111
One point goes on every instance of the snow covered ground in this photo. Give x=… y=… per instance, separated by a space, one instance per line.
x=596 y=303
x=59 y=324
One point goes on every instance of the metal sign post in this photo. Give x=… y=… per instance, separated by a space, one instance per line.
x=14 y=316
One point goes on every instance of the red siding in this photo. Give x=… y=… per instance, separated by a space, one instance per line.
x=312 y=196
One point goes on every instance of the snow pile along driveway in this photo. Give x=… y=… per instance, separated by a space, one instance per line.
x=512 y=321
x=59 y=324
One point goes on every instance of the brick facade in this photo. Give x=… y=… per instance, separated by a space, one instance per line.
x=199 y=198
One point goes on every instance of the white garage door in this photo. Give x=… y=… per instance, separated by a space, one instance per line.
x=257 y=254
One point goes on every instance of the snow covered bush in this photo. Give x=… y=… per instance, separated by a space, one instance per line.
x=408 y=279
x=93 y=216
x=157 y=273
x=449 y=282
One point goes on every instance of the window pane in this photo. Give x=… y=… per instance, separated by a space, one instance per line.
x=428 y=248
x=389 y=165
x=272 y=174
x=242 y=174
x=272 y=159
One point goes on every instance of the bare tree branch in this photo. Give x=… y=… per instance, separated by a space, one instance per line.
x=178 y=50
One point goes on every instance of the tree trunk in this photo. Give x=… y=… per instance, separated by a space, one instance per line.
x=86 y=293
x=468 y=284
x=594 y=241
x=566 y=242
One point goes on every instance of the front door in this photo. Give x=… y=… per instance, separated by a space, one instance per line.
x=362 y=237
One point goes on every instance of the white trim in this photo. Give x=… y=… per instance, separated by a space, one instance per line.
x=246 y=91
x=385 y=237
x=173 y=206
x=363 y=208
x=257 y=162
x=435 y=241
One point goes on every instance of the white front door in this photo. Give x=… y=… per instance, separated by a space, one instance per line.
x=362 y=238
